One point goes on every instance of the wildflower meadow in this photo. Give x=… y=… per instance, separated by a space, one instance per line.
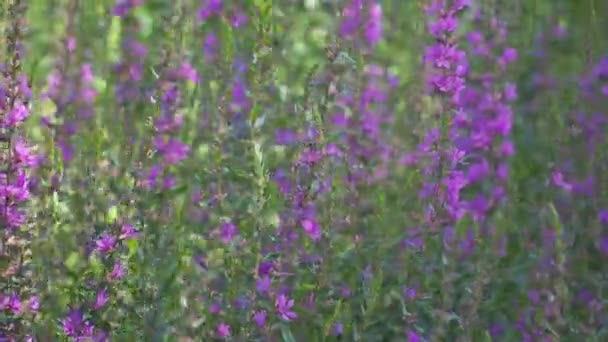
x=304 y=170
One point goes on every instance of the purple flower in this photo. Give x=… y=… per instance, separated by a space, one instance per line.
x=34 y=303
x=337 y=329
x=187 y=72
x=215 y=308
x=242 y=302
x=265 y=268
x=413 y=336
x=223 y=330
x=496 y=330
x=603 y=216
x=415 y=242
x=228 y=231
x=373 y=30
x=106 y=243
x=16 y=115
x=263 y=284
x=534 y=296
x=510 y=92
x=12 y=303
x=284 y=305
x=603 y=245
x=459 y=5
x=210 y=8
x=152 y=176
x=259 y=317
x=102 y=299
x=345 y=292
x=240 y=101
x=352 y=18
x=332 y=150
x=123 y=7
x=281 y=177
x=24 y=88
x=411 y=293
x=558 y=179
x=340 y=120
x=169 y=182
x=444 y=25
x=129 y=232
x=239 y=19
x=172 y=150
x=285 y=136
x=22 y=154
x=118 y=272
x=312 y=228
x=15 y=217
x=507 y=148
x=210 y=46
x=100 y=336
x=310 y=156
x=478 y=171
x=200 y=261
x=509 y=56
x=75 y=326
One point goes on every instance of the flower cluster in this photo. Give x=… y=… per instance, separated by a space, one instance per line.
x=170 y=149
x=485 y=122
x=446 y=78
x=107 y=248
x=17 y=157
x=362 y=18
x=448 y=63
x=17 y=160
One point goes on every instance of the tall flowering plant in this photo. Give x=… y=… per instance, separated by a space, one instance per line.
x=18 y=302
x=447 y=68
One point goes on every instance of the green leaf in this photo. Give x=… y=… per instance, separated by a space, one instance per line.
x=132 y=244
x=307 y=287
x=99 y=84
x=145 y=20
x=286 y=334
x=463 y=226
x=96 y=265
x=72 y=261
x=330 y=322
x=5 y=260
x=112 y=214
x=114 y=40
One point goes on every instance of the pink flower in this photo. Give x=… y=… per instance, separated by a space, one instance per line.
x=373 y=31
x=284 y=306
x=312 y=228
x=558 y=179
x=16 y=115
x=106 y=243
x=413 y=336
x=228 y=231
x=119 y=271
x=263 y=284
x=11 y=303
x=34 y=303
x=172 y=150
x=102 y=299
x=129 y=232
x=259 y=318
x=223 y=330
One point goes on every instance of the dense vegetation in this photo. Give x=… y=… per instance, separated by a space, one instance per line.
x=314 y=170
